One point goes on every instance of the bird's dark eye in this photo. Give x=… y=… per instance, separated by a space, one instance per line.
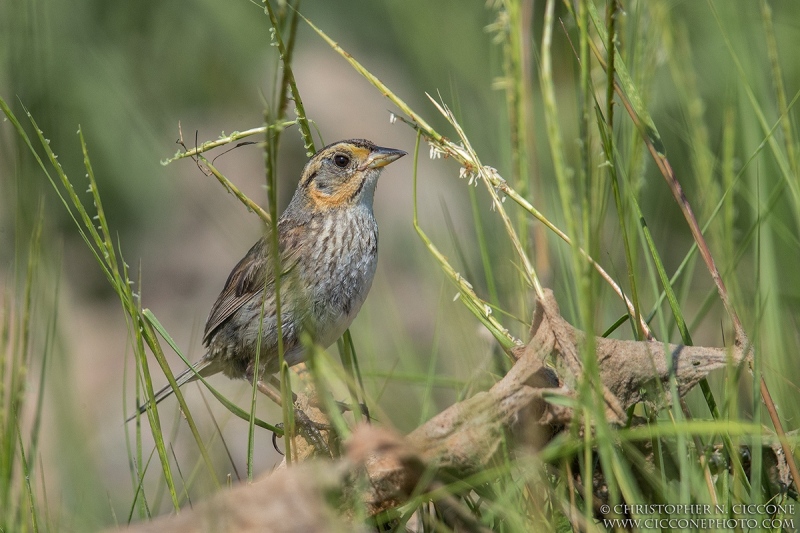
x=341 y=160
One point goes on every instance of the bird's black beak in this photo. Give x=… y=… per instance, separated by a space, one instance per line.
x=380 y=157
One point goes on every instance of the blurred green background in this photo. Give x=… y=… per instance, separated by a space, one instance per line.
x=130 y=73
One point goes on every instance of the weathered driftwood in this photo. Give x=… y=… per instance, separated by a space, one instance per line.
x=292 y=500
x=461 y=440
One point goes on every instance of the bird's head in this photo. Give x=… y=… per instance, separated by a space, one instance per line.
x=344 y=173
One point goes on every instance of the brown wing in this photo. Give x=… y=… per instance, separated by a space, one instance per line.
x=252 y=274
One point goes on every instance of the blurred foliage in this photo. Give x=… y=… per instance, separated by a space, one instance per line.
x=128 y=72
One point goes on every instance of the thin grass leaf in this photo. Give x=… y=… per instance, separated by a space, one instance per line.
x=226 y=139
x=789 y=134
x=478 y=307
x=27 y=493
x=322 y=390
x=302 y=121
x=790 y=178
x=251 y=422
x=350 y=364
x=231 y=188
x=489 y=177
x=607 y=135
x=230 y=406
x=287 y=406
x=139 y=490
x=488 y=270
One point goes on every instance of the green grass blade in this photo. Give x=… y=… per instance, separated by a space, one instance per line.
x=302 y=121
x=232 y=407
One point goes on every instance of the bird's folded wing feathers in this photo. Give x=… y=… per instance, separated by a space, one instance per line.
x=248 y=279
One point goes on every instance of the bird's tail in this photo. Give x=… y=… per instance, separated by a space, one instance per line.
x=204 y=367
